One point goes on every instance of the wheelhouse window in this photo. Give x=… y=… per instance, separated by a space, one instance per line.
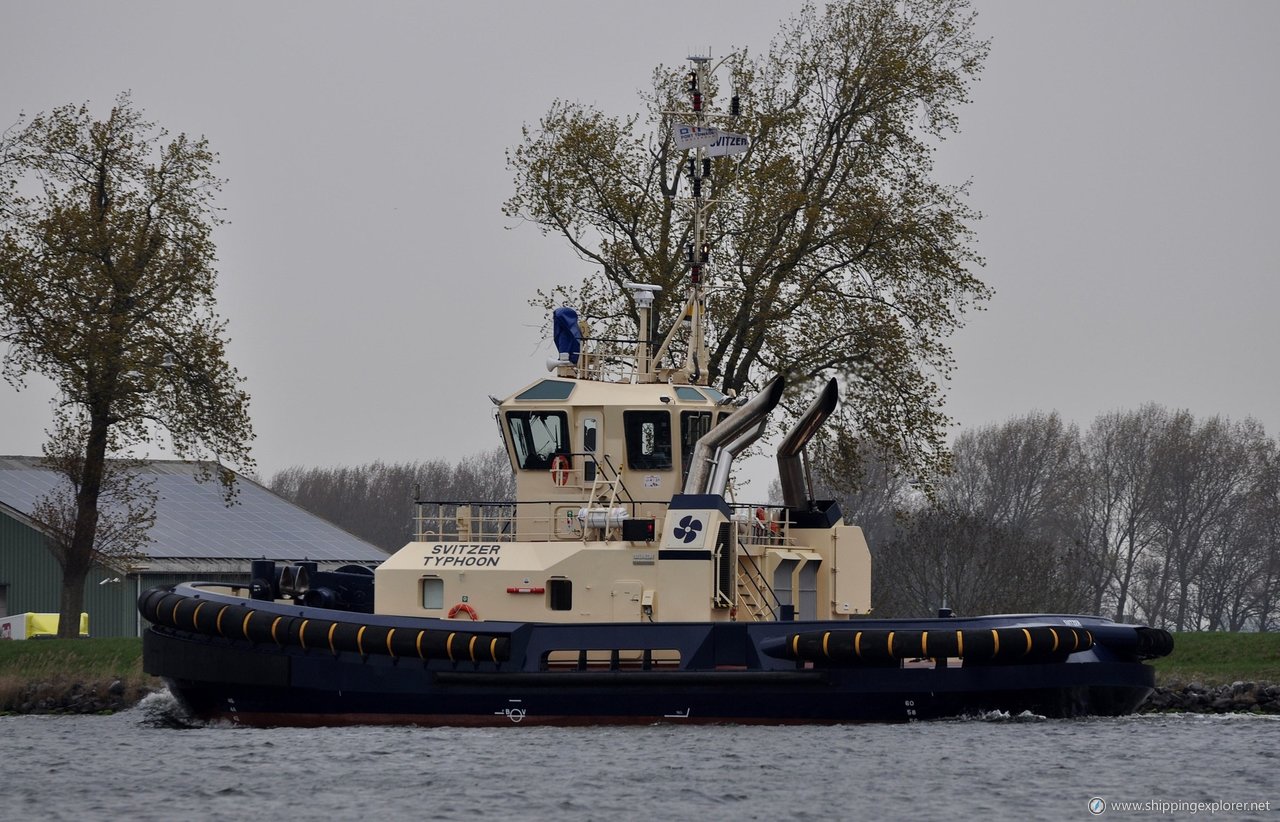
x=590 y=429
x=538 y=436
x=693 y=425
x=648 y=439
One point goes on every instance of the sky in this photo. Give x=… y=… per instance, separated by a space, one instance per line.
x=1121 y=153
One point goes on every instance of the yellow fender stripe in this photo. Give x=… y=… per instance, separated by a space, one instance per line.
x=1075 y=640
x=1089 y=635
x=448 y=646
x=996 y=637
x=195 y=616
x=857 y=644
x=244 y=626
x=333 y=627
x=1028 y=635
x=960 y=643
x=924 y=644
x=390 y=634
x=173 y=617
x=826 y=636
x=219 y=622
x=471 y=648
x=795 y=644
x=1054 y=649
x=891 y=644
x=302 y=634
x=418 y=643
x=274 y=624
x=493 y=649
x=360 y=639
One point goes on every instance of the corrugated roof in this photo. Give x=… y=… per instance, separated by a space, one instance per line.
x=194 y=522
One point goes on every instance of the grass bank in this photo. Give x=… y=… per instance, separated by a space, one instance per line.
x=72 y=674
x=1220 y=659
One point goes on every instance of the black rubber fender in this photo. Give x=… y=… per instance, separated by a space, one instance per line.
x=243 y=621
x=1035 y=643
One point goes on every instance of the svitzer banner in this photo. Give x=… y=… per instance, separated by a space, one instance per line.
x=717 y=142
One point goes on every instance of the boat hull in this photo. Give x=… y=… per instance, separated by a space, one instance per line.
x=727 y=674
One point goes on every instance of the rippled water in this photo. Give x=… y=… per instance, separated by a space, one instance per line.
x=143 y=765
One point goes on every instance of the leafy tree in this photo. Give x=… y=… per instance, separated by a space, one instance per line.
x=374 y=501
x=107 y=287
x=126 y=501
x=834 y=250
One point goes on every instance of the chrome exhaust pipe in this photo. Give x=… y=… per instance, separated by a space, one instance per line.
x=795 y=494
x=713 y=448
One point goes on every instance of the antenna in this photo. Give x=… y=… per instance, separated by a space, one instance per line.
x=693 y=133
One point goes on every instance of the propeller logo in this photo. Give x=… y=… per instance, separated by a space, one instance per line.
x=688 y=529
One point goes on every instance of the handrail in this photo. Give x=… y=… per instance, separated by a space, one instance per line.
x=768 y=597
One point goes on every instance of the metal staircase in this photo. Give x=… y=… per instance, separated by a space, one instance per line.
x=757 y=601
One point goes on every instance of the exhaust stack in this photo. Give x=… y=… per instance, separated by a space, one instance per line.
x=722 y=443
x=795 y=494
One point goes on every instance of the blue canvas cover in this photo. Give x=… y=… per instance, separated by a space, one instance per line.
x=565 y=331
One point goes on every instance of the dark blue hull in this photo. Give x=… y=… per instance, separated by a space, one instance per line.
x=602 y=673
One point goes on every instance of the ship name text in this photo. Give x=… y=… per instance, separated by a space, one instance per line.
x=463 y=556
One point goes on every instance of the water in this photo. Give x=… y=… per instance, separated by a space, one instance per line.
x=143 y=765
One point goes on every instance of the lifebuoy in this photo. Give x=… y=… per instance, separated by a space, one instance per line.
x=560 y=470
x=764 y=523
x=463 y=608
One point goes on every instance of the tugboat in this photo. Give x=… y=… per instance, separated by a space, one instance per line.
x=623 y=585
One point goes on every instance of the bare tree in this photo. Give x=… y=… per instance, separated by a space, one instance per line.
x=1024 y=474
x=374 y=501
x=1117 y=519
x=1207 y=472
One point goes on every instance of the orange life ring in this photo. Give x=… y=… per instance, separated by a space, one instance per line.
x=560 y=470
x=764 y=523
x=463 y=608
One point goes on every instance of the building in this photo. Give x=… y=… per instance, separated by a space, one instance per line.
x=196 y=536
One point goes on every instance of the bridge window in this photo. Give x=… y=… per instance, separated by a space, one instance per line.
x=589 y=429
x=648 y=439
x=548 y=390
x=538 y=436
x=693 y=425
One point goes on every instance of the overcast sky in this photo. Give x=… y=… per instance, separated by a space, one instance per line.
x=1123 y=155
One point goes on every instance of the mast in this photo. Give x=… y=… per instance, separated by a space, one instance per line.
x=697 y=253
x=700 y=138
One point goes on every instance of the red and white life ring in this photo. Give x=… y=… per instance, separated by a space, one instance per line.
x=463 y=608
x=764 y=523
x=560 y=470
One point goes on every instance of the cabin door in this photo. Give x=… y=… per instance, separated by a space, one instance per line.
x=626 y=600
